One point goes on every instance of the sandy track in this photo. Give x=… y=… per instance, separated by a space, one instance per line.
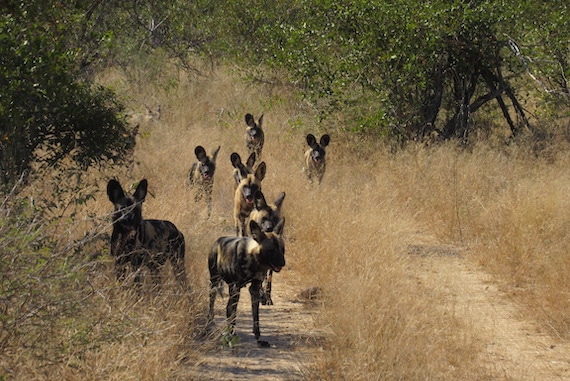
x=287 y=326
x=515 y=348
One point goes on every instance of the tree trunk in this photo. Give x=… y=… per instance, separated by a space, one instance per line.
x=458 y=125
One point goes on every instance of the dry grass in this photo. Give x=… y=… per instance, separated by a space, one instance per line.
x=350 y=237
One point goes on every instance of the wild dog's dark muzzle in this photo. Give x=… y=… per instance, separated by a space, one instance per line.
x=317 y=156
x=253 y=135
x=127 y=218
x=277 y=266
x=248 y=193
x=206 y=172
x=267 y=226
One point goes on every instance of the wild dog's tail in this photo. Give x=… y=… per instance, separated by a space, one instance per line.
x=219 y=286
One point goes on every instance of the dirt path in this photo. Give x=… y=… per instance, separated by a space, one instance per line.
x=287 y=326
x=515 y=348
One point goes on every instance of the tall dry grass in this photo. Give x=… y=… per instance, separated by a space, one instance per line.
x=350 y=237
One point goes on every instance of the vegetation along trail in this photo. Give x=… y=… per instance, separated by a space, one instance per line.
x=515 y=348
x=433 y=247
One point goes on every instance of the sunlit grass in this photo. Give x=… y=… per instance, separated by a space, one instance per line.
x=350 y=237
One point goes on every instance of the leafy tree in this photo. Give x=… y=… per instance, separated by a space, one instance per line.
x=407 y=68
x=46 y=112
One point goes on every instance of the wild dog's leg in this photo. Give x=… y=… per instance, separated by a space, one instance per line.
x=215 y=280
x=237 y=224
x=254 y=291
x=121 y=262
x=121 y=253
x=155 y=274
x=208 y=192
x=266 y=298
x=231 y=308
x=214 y=285
x=137 y=260
x=177 y=262
x=180 y=272
x=321 y=174
x=138 y=277
x=197 y=195
x=240 y=224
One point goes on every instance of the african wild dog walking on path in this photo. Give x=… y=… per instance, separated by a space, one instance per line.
x=141 y=242
x=242 y=260
x=267 y=216
x=315 y=161
x=244 y=197
x=241 y=170
x=201 y=175
x=254 y=136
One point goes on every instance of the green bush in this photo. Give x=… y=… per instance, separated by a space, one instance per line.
x=47 y=113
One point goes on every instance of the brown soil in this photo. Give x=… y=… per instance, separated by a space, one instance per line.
x=515 y=348
x=287 y=326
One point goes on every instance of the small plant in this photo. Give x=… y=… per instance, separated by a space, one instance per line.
x=229 y=338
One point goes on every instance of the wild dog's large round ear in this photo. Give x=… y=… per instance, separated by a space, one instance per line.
x=140 y=192
x=200 y=153
x=311 y=140
x=114 y=191
x=259 y=200
x=256 y=232
x=251 y=160
x=325 y=140
x=279 y=200
x=215 y=153
x=235 y=158
x=279 y=227
x=261 y=171
x=249 y=120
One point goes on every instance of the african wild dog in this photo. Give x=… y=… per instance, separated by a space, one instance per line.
x=315 y=161
x=267 y=216
x=244 y=197
x=201 y=175
x=241 y=170
x=242 y=260
x=141 y=242
x=254 y=136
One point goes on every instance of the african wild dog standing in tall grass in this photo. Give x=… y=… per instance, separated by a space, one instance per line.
x=244 y=196
x=242 y=260
x=141 y=242
x=201 y=175
x=315 y=161
x=267 y=216
x=240 y=169
x=254 y=136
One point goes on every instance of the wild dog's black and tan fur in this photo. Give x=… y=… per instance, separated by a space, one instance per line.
x=201 y=175
x=137 y=242
x=315 y=160
x=241 y=170
x=254 y=136
x=267 y=216
x=244 y=197
x=242 y=260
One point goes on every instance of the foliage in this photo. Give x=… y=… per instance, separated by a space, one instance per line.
x=401 y=69
x=407 y=68
x=43 y=285
x=46 y=112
